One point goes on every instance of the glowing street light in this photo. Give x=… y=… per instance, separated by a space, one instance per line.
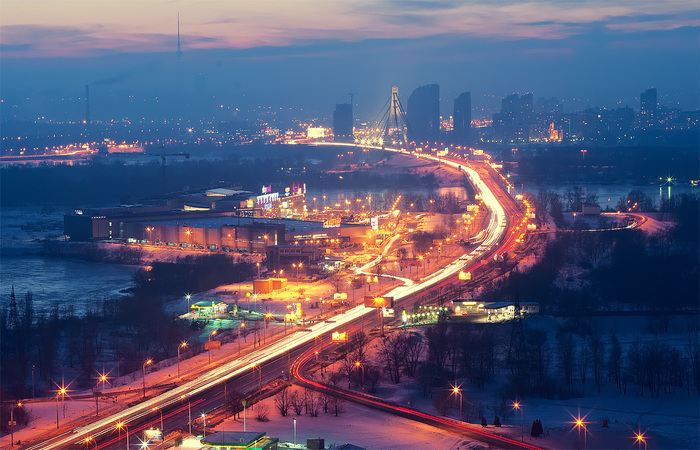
x=297 y=267
x=242 y=325
x=359 y=365
x=519 y=405
x=457 y=391
x=639 y=437
x=213 y=332
x=89 y=439
x=155 y=408
x=119 y=427
x=146 y=363
x=579 y=423
x=182 y=345
x=12 y=423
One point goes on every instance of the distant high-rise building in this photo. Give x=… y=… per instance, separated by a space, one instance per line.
x=647 y=108
x=178 y=53
x=424 y=113
x=462 y=119
x=512 y=124
x=342 y=123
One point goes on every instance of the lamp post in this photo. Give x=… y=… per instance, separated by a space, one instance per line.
x=189 y=412
x=242 y=325
x=182 y=345
x=147 y=362
x=57 y=411
x=89 y=439
x=639 y=437
x=119 y=427
x=518 y=405
x=359 y=365
x=458 y=391
x=579 y=423
x=155 y=408
x=297 y=266
x=259 y=367
x=188 y=297
x=12 y=423
x=258 y=265
x=350 y=286
x=212 y=332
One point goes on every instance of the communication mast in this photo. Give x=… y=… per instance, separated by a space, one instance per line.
x=179 y=50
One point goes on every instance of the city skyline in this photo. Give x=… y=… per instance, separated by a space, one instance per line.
x=585 y=53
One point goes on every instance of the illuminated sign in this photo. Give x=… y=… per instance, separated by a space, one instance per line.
x=267 y=200
x=152 y=435
x=332 y=223
x=266 y=189
x=340 y=296
x=379 y=302
x=212 y=345
x=387 y=312
x=339 y=337
x=465 y=275
x=374 y=221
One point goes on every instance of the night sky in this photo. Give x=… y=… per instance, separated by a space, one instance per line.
x=309 y=54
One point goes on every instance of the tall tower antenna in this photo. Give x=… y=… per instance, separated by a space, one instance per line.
x=179 y=50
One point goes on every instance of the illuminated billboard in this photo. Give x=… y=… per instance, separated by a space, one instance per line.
x=379 y=302
x=339 y=337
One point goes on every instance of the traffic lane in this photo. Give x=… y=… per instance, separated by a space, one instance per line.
x=177 y=416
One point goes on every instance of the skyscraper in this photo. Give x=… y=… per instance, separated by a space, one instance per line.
x=647 y=108
x=462 y=119
x=424 y=113
x=342 y=123
x=512 y=124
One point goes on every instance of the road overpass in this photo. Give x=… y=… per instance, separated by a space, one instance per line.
x=500 y=236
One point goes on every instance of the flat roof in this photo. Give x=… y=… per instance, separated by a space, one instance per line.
x=217 y=222
x=240 y=439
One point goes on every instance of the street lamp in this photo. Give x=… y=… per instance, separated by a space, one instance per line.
x=359 y=365
x=12 y=423
x=580 y=423
x=639 y=437
x=146 y=363
x=187 y=307
x=457 y=391
x=155 y=408
x=259 y=367
x=518 y=405
x=182 y=345
x=89 y=439
x=297 y=266
x=242 y=325
x=258 y=265
x=213 y=332
x=189 y=411
x=119 y=427
x=204 y=424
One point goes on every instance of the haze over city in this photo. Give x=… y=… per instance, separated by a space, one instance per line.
x=367 y=224
x=310 y=54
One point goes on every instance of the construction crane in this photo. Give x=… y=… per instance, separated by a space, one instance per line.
x=162 y=154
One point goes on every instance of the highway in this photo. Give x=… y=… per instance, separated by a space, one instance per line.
x=206 y=391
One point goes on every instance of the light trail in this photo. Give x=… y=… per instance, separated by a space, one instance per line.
x=495 y=233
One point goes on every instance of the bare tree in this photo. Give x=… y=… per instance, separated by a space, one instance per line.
x=567 y=354
x=337 y=405
x=261 y=412
x=583 y=363
x=392 y=350
x=282 y=402
x=313 y=404
x=414 y=352
x=296 y=401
